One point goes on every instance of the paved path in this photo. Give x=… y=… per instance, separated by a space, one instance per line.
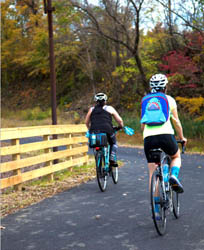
x=84 y=218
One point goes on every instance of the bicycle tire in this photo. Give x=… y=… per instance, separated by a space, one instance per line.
x=100 y=172
x=176 y=203
x=160 y=225
x=173 y=195
x=114 y=174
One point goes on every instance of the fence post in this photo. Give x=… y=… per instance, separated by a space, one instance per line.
x=14 y=158
x=47 y=151
x=70 y=147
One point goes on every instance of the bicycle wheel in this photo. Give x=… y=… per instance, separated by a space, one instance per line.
x=157 y=191
x=100 y=172
x=176 y=203
x=114 y=174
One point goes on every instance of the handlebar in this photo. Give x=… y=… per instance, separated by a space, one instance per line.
x=182 y=144
x=115 y=128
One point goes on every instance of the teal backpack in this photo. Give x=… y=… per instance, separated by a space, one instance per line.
x=155 y=109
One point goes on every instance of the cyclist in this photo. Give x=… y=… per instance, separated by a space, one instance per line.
x=99 y=118
x=162 y=136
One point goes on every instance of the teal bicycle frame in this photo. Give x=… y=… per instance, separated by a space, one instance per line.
x=103 y=167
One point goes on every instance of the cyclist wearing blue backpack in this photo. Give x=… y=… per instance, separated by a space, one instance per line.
x=158 y=110
x=99 y=119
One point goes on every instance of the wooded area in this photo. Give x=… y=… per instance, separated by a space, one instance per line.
x=113 y=47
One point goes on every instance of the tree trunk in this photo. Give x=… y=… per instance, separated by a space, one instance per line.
x=141 y=70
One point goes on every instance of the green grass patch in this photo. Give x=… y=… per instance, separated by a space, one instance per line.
x=64 y=174
x=78 y=170
x=193 y=131
x=28 y=114
x=192 y=128
x=132 y=121
x=35 y=114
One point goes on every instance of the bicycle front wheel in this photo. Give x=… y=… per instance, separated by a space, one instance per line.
x=176 y=203
x=158 y=206
x=114 y=174
x=100 y=172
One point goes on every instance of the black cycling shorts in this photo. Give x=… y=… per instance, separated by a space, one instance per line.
x=166 y=142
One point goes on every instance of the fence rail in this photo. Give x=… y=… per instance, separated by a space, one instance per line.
x=27 y=152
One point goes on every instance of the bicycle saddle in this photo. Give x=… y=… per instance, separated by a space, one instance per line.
x=155 y=155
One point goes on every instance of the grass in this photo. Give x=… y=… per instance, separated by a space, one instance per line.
x=36 y=117
x=193 y=130
x=64 y=174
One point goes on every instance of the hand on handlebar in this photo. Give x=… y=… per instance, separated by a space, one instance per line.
x=183 y=144
x=184 y=140
x=117 y=128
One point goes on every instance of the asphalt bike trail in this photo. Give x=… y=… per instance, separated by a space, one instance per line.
x=84 y=218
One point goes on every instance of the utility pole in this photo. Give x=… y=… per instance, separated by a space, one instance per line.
x=48 y=9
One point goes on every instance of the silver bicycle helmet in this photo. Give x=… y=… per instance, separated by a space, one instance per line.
x=157 y=82
x=100 y=97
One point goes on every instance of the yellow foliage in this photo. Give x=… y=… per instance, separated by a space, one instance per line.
x=194 y=106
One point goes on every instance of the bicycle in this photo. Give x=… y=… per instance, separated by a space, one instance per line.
x=103 y=167
x=98 y=141
x=168 y=199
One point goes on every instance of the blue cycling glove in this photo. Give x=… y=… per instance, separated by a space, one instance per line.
x=128 y=131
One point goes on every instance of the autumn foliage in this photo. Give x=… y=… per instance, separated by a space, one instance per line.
x=87 y=62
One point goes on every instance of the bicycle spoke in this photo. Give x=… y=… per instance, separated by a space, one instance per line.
x=158 y=206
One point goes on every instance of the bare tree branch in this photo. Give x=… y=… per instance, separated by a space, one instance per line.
x=113 y=34
x=200 y=30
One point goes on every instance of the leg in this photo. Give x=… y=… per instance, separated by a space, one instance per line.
x=152 y=143
x=152 y=167
x=113 y=148
x=176 y=159
x=149 y=143
x=175 y=168
x=170 y=147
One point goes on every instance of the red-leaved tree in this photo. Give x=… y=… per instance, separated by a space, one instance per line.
x=182 y=71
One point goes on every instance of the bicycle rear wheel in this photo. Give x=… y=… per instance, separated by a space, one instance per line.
x=114 y=174
x=100 y=172
x=157 y=191
x=176 y=203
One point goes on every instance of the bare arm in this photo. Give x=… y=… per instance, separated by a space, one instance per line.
x=87 y=120
x=117 y=118
x=177 y=125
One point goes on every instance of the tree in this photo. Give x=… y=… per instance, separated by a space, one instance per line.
x=189 y=13
x=123 y=26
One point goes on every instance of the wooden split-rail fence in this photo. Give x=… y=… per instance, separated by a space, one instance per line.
x=28 y=153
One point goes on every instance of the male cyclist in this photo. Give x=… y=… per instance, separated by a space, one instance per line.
x=99 y=118
x=162 y=136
